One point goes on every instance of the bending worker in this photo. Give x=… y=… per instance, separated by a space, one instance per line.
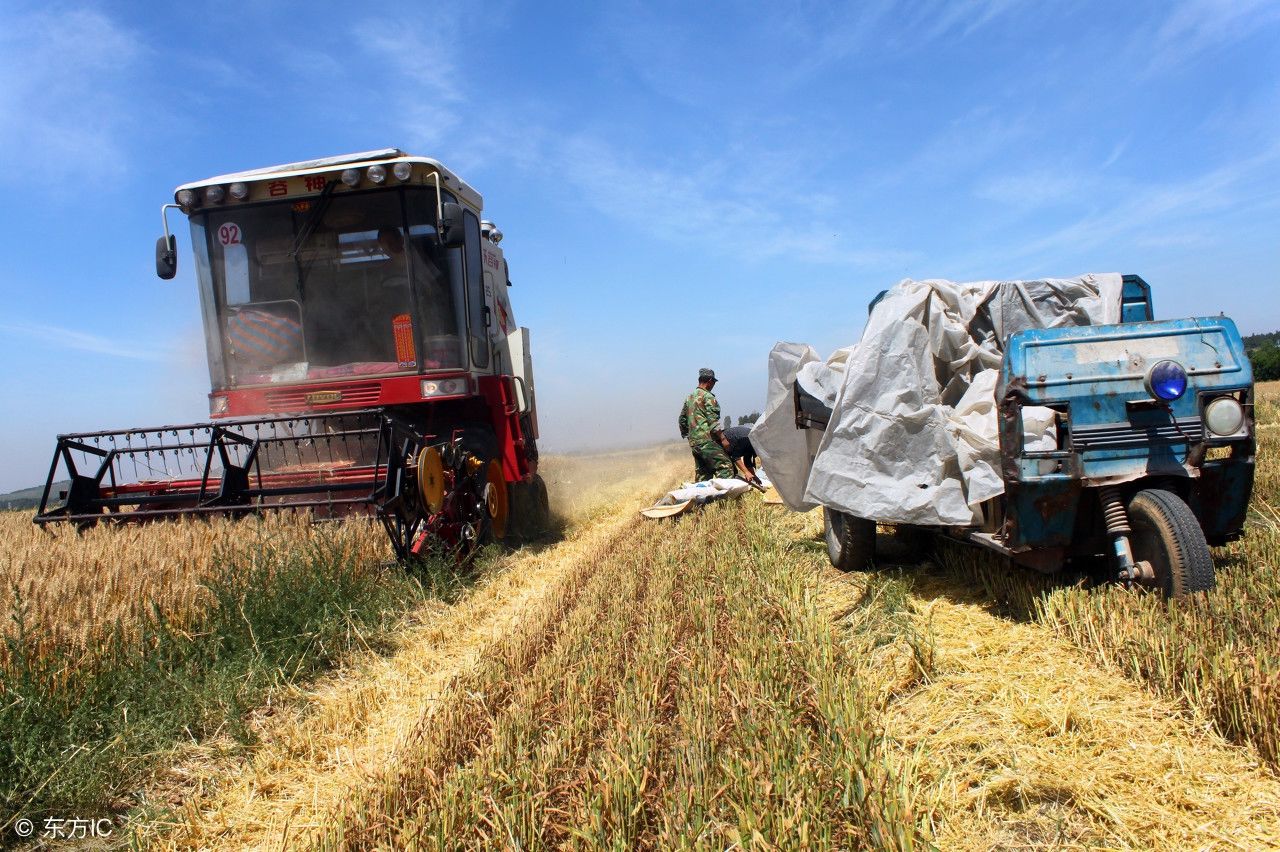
x=736 y=441
x=700 y=424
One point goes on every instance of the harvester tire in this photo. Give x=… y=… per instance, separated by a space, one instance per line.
x=1167 y=534
x=481 y=443
x=851 y=541
x=530 y=510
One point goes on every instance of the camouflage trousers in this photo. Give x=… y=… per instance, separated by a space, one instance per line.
x=710 y=460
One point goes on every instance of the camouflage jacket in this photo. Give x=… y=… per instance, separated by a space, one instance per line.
x=700 y=415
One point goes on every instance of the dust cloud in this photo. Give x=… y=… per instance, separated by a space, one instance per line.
x=580 y=484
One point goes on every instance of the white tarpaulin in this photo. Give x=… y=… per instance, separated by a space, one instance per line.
x=913 y=432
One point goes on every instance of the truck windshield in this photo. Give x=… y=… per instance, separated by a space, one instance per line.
x=366 y=292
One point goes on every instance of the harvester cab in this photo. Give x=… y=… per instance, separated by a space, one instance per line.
x=363 y=357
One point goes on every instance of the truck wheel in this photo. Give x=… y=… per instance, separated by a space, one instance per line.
x=1167 y=534
x=912 y=543
x=851 y=541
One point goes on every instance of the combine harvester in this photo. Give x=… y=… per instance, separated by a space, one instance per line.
x=363 y=359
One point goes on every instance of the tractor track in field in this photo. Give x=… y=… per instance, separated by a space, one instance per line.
x=1024 y=740
x=350 y=726
x=1016 y=738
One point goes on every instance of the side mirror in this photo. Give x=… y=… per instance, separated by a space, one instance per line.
x=167 y=256
x=451 y=232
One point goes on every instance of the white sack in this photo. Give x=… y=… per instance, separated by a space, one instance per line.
x=701 y=492
x=913 y=436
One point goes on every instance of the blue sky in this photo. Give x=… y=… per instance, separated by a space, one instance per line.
x=680 y=184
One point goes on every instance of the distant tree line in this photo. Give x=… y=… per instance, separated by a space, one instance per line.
x=1254 y=341
x=744 y=420
x=1264 y=355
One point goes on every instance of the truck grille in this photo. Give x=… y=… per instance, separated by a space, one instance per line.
x=295 y=399
x=1109 y=436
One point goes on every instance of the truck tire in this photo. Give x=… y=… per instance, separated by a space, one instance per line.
x=851 y=541
x=1167 y=534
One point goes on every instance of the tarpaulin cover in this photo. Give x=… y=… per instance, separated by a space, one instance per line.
x=913 y=434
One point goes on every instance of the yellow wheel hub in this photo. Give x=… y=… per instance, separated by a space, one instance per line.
x=431 y=478
x=497 y=501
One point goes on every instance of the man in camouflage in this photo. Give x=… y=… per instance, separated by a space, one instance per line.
x=700 y=424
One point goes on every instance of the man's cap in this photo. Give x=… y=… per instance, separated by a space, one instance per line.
x=706 y=374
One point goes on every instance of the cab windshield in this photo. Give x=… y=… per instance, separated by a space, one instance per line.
x=326 y=288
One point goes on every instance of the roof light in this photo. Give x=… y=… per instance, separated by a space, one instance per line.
x=490 y=231
x=376 y=174
x=239 y=191
x=186 y=198
x=351 y=177
x=402 y=170
x=1166 y=380
x=214 y=194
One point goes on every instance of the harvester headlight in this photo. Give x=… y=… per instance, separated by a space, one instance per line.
x=1166 y=380
x=217 y=404
x=239 y=191
x=402 y=171
x=214 y=194
x=442 y=387
x=186 y=198
x=351 y=177
x=1224 y=416
x=376 y=174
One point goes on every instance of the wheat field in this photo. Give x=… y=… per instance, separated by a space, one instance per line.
x=1217 y=653
x=707 y=681
x=77 y=591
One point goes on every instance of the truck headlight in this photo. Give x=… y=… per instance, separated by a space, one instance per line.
x=1224 y=416
x=217 y=404
x=1166 y=380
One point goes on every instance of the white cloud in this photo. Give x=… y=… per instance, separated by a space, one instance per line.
x=422 y=80
x=56 y=337
x=1194 y=27
x=62 y=79
x=1150 y=213
x=729 y=210
x=961 y=146
x=420 y=56
x=1039 y=188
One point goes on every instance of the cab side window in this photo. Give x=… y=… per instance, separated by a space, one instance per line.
x=477 y=332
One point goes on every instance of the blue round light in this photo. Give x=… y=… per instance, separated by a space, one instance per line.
x=1166 y=380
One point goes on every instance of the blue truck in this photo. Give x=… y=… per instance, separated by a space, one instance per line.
x=1150 y=458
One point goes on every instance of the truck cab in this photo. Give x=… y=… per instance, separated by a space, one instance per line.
x=1138 y=406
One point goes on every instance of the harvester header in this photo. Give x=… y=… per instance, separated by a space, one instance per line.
x=363 y=356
